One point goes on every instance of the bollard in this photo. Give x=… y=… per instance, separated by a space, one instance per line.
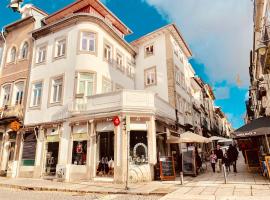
x=224 y=173
x=182 y=178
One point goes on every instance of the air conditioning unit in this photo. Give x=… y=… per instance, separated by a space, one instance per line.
x=60 y=172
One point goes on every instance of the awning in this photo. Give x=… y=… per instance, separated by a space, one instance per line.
x=213 y=138
x=188 y=137
x=257 y=127
x=225 y=140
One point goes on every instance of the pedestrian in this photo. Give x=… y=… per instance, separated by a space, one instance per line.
x=213 y=158
x=198 y=160
x=233 y=156
x=219 y=154
x=227 y=162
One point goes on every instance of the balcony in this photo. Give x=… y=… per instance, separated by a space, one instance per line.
x=12 y=111
x=133 y=101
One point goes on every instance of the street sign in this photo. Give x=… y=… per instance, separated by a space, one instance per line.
x=116 y=121
x=15 y=126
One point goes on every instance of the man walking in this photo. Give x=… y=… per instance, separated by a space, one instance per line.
x=219 y=154
x=233 y=156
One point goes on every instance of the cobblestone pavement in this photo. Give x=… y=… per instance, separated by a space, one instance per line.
x=14 y=194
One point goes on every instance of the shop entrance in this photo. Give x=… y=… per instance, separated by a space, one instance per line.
x=106 y=154
x=11 y=150
x=51 y=158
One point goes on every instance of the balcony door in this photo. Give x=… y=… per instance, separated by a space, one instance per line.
x=85 y=84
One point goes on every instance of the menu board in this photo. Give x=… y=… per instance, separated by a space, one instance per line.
x=188 y=163
x=167 y=170
x=252 y=158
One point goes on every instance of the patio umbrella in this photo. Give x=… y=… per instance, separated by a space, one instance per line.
x=188 y=137
x=257 y=127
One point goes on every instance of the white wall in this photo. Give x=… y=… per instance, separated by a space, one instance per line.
x=68 y=66
x=158 y=60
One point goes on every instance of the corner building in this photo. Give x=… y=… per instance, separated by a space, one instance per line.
x=83 y=74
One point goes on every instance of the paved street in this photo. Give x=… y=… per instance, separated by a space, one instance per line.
x=14 y=194
x=241 y=185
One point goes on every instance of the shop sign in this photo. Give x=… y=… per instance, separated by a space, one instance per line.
x=116 y=121
x=80 y=136
x=15 y=126
x=53 y=138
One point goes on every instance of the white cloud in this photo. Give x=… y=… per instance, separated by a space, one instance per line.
x=219 y=33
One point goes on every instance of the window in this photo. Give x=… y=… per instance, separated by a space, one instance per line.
x=107 y=52
x=88 y=42
x=150 y=76
x=19 y=88
x=60 y=48
x=36 y=94
x=177 y=76
x=79 y=152
x=12 y=54
x=57 y=90
x=41 y=54
x=24 y=50
x=120 y=61
x=107 y=85
x=129 y=68
x=183 y=82
x=149 y=50
x=86 y=84
x=138 y=147
x=6 y=94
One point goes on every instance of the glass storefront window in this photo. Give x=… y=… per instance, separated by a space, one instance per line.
x=79 y=152
x=138 y=147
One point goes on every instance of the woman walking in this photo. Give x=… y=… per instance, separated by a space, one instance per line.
x=213 y=158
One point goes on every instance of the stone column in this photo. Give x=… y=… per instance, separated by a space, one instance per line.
x=118 y=155
x=168 y=134
x=5 y=153
x=40 y=159
x=152 y=145
x=91 y=151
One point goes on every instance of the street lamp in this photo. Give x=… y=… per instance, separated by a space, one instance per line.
x=261 y=49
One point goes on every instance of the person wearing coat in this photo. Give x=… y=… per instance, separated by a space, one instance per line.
x=233 y=156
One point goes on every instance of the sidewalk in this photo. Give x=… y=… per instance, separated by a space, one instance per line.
x=208 y=186
x=241 y=185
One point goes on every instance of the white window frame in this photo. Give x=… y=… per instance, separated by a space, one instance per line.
x=41 y=54
x=56 y=87
x=150 y=74
x=60 y=47
x=12 y=54
x=86 y=81
x=107 y=85
x=120 y=61
x=19 y=92
x=24 y=50
x=90 y=38
x=6 y=99
x=36 y=95
x=108 y=52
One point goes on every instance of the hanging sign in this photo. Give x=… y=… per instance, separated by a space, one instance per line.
x=116 y=121
x=15 y=126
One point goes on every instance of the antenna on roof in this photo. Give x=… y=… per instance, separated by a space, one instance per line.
x=15 y=5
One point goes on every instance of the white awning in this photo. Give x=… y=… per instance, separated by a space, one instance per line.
x=213 y=138
x=225 y=140
x=188 y=137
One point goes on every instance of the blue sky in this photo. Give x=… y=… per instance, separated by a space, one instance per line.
x=220 y=41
